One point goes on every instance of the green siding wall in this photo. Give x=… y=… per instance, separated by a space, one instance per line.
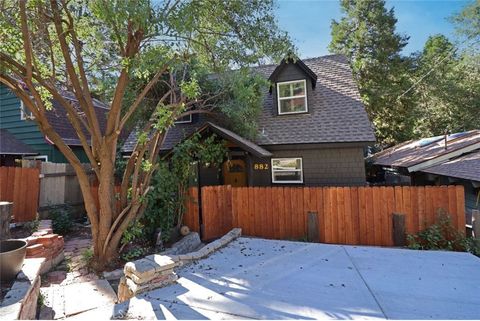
x=27 y=130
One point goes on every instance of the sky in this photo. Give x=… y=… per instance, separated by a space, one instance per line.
x=308 y=21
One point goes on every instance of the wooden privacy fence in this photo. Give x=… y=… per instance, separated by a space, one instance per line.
x=20 y=186
x=345 y=215
x=58 y=183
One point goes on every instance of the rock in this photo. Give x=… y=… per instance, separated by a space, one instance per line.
x=113 y=275
x=158 y=239
x=142 y=268
x=56 y=277
x=187 y=244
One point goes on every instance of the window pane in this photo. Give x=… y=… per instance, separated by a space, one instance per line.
x=292 y=105
x=284 y=176
x=286 y=164
x=285 y=90
x=298 y=89
x=184 y=119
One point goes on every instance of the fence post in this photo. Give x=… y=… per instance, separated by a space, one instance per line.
x=476 y=223
x=312 y=227
x=398 y=229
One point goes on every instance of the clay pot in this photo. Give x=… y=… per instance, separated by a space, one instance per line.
x=12 y=254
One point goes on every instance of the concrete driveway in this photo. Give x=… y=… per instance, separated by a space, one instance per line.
x=266 y=279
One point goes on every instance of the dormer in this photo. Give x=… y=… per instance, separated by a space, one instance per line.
x=292 y=83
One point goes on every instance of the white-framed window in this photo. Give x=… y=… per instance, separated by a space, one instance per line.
x=287 y=170
x=292 y=97
x=25 y=114
x=40 y=157
x=184 y=120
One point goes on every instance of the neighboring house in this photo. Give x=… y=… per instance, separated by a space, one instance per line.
x=313 y=130
x=19 y=123
x=440 y=160
x=12 y=149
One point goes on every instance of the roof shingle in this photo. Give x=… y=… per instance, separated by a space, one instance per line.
x=336 y=113
x=9 y=145
x=465 y=167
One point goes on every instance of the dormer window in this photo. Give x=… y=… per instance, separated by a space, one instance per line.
x=184 y=120
x=292 y=97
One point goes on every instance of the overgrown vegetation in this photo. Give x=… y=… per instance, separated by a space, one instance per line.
x=87 y=257
x=133 y=253
x=61 y=217
x=443 y=236
x=32 y=226
x=132 y=54
x=165 y=202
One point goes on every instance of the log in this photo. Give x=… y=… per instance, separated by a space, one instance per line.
x=5 y=217
x=398 y=229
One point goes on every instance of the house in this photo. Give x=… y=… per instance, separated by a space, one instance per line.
x=19 y=129
x=313 y=130
x=439 y=160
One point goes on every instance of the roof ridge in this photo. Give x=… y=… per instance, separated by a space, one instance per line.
x=302 y=59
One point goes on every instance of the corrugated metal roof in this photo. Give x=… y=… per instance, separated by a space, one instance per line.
x=419 y=151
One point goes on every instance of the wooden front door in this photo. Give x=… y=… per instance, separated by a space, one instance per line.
x=235 y=173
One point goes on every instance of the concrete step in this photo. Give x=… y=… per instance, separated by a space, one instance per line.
x=53 y=303
x=64 y=301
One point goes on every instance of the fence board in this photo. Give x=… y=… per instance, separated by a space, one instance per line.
x=460 y=213
x=430 y=212
x=347 y=215
x=191 y=216
x=362 y=226
x=390 y=200
x=377 y=200
x=20 y=186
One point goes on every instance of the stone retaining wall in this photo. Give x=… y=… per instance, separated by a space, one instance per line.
x=44 y=251
x=44 y=243
x=156 y=271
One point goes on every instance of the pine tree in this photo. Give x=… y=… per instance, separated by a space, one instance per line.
x=366 y=34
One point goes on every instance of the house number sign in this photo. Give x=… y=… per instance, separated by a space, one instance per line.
x=261 y=166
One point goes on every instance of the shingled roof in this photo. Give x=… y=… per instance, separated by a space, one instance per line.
x=57 y=117
x=9 y=145
x=465 y=167
x=336 y=113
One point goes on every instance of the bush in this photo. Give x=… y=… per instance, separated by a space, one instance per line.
x=443 y=236
x=133 y=254
x=61 y=220
x=32 y=226
x=87 y=256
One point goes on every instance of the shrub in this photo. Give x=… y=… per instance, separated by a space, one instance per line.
x=32 y=226
x=136 y=230
x=443 y=236
x=87 y=256
x=133 y=254
x=61 y=220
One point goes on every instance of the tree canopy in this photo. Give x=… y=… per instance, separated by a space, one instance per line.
x=427 y=93
x=134 y=55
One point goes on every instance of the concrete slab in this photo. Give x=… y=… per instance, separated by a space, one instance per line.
x=81 y=297
x=267 y=279
x=421 y=284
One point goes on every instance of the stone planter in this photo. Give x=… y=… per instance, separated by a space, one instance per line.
x=12 y=254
